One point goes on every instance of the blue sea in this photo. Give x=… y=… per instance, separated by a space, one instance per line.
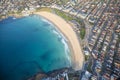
x=29 y=45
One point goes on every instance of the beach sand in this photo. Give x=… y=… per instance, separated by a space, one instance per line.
x=66 y=29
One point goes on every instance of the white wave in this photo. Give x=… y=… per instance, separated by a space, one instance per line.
x=14 y=18
x=67 y=51
x=64 y=42
x=55 y=32
x=47 y=21
x=60 y=35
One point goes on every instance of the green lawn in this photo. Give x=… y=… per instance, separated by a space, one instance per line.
x=61 y=2
x=44 y=9
x=82 y=33
x=63 y=15
x=67 y=17
x=89 y=67
x=86 y=57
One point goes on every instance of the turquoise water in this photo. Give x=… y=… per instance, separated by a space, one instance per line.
x=29 y=45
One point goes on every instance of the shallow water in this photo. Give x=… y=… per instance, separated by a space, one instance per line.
x=29 y=45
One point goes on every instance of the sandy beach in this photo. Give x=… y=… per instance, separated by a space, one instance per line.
x=66 y=29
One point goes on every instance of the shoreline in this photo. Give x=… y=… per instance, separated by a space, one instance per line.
x=77 y=57
x=73 y=43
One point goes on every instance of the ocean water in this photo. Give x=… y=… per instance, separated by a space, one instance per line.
x=29 y=45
